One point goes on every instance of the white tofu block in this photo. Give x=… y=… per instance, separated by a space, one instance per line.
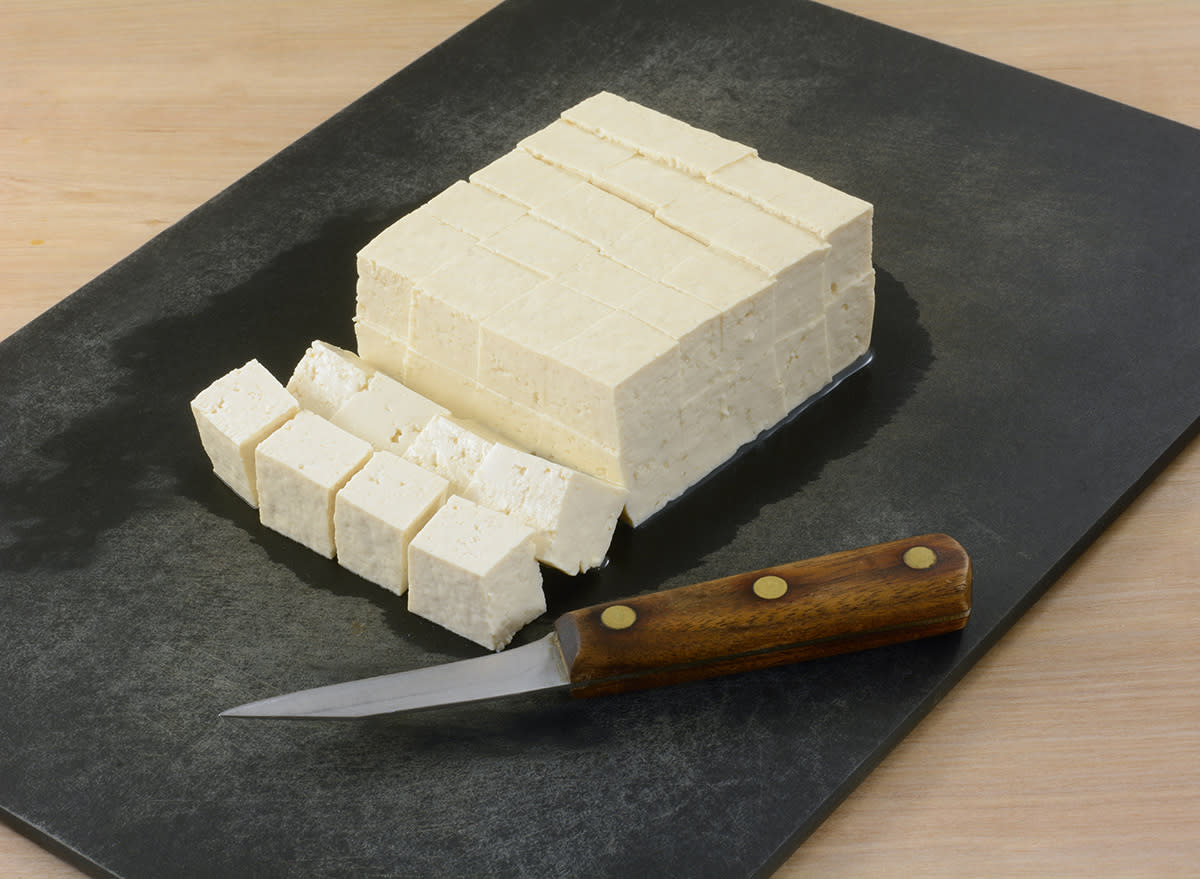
x=693 y=324
x=301 y=467
x=387 y=414
x=326 y=377
x=573 y=149
x=440 y=383
x=646 y=183
x=377 y=514
x=450 y=304
x=516 y=342
x=802 y=360
x=537 y=245
x=477 y=211
x=618 y=384
x=703 y=211
x=236 y=413
x=518 y=425
x=653 y=248
x=559 y=443
x=407 y=251
x=525 y=179
x=848 y=322
x=655 y=134
x=743 y=295
x=838 y=218
x=451 y=449
x=605 y=280
x=472 y=570
x=573 y=515
x=592 y=215
x=379 y=348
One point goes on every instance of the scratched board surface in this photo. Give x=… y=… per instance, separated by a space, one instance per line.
x=1035 y=364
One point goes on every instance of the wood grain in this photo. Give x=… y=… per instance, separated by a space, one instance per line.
x=837 y=603
x=1070 y=750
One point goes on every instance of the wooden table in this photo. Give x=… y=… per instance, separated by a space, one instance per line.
x=1072 y=749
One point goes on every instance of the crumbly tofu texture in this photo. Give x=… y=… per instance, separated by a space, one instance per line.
x=301 y=468
x=326 y=377
x=472 y=570
x=378 y=513
x=572 y=514
x=236 y=413
x=622 y=293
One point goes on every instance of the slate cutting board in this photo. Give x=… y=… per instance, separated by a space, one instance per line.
x=1036 y=362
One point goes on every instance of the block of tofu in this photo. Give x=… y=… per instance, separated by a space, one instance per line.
x=473 y=209
x=695 y=326
x=525 y=179
x=472 y=570
x=451 y=448
x=449 y=305
x=387 y=414
x=377 y=514
x=575 y=150
x=661 y=137
x=407 y=251
x=236 y=413
x=516 y=342
x=326 y=377
x=573 y=515
x=301 y=467
x=838 y=218
x=537 y=245
x=849 y=321
x=380 y=349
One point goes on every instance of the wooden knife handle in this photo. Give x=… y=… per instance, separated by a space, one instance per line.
x=823 y=606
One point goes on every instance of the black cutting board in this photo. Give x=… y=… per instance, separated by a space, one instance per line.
x=1036 y=362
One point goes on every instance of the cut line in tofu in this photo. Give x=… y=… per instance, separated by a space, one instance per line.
x=301 y=467
x=378 y=512
x=572 y=514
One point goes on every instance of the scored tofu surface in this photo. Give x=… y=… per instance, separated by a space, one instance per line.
x=685 y=252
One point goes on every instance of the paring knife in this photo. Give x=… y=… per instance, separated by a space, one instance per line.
x=837 y=603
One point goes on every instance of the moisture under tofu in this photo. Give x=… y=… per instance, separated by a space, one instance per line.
x=624 y=294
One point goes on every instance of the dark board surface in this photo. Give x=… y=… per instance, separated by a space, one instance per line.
x=1036 y=360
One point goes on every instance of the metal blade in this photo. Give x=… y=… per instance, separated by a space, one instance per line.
x=536 y=666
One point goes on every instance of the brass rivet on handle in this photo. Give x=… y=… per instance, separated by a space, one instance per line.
x=920 y=557
x=770 y=587
x=618 y=616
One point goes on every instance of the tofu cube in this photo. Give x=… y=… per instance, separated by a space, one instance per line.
x=236 y=413
x=477 y=211
x=301 y=468
x=472 y=570
x=380 y=349
x=326 y=377
x=452 y=449
x=573 y=515
x=377 y=514
x=387 y=414
x=525 y=179
x=574 y=149
x=848 y=323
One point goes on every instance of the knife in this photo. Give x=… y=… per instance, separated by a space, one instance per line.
x=837 y=603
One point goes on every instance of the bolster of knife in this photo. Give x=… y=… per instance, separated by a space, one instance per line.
x=838 y=603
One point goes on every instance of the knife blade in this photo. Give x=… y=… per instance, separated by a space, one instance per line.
x=837 y=603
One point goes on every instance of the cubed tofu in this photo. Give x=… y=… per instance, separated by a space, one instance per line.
x=449 y=305
x=452 y=449
x=848 y=323
x=326 y=377
x=537 y=245
x=380 y=349
x=525 y=179
x=236 y=413
x=404 y=253
x=377 y=514
x=387 y=414
x=473 y=209
x=301 y=467
x=592 y=215
x=472 y=570
x=573 y=149
x=572 y=514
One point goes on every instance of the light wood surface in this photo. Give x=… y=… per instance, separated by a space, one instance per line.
x=1072 y=749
